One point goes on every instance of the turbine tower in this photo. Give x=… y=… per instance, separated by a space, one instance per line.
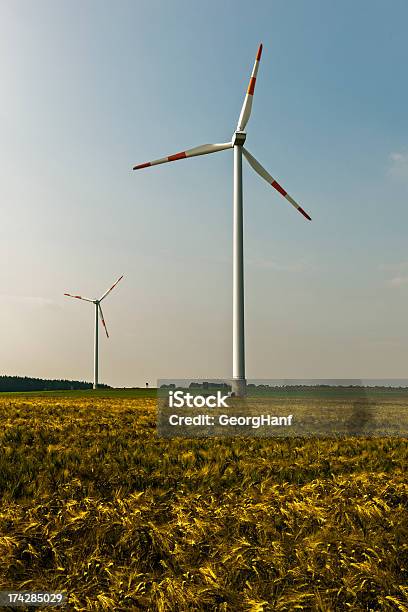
x=98 y=312
x=237 y=143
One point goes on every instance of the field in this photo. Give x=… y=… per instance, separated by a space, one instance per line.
x=96 y=505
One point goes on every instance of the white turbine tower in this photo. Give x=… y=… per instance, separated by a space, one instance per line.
x=237 y=142
x=98 y=312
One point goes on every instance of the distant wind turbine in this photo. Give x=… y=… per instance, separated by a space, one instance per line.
x=98 y=312
x=237 y=142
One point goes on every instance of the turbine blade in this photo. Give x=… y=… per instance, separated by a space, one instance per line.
x=110 y=289
x=79 y=297
x=103 y=320
x=247 y=105
x=269 y=179
x=201 y=150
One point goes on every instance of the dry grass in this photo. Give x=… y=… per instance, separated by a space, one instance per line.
x=96 y=505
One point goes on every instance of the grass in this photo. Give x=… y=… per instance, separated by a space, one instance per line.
x=95 y=504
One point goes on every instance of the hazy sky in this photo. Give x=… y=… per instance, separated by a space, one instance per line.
x=88 y=89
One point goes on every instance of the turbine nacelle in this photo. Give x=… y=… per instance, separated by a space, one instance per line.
x=238 y=139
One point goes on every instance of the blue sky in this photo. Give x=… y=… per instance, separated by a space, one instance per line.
x=90 y=89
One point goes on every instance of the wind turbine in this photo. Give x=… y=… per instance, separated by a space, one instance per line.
x=98 y=312
x=237 y=142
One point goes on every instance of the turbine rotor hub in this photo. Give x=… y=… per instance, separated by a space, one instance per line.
x=238 y=138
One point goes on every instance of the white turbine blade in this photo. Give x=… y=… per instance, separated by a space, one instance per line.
x=103 y=320
x=201 y=150
x=269 y=179
x=110 y=289
x=247 y=105
x=79 y=297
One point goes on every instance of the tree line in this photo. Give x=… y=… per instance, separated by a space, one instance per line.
x=25 y=383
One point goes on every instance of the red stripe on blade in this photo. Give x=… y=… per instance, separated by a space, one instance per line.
x=258 y=57
x=181 y=155
x=140 y=166
x=300 y=209
x=251 y=86
x=279 y=188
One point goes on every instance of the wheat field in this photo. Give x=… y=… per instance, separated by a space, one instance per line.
x=96 y=505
